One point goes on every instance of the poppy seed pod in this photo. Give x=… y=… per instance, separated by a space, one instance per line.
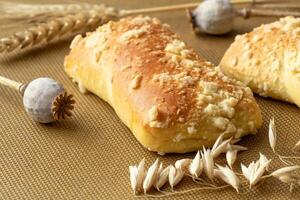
x=214 y=17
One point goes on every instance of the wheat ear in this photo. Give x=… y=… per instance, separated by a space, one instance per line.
x=58 y=27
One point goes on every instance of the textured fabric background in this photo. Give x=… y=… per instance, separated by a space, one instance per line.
x=87 y=156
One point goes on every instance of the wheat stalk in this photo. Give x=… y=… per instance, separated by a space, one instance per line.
x=58 y=26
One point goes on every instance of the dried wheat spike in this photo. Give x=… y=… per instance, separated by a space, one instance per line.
x=56 y=28
x=62 y=106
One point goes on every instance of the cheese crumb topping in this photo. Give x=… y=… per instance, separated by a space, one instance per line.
x=208 y=88
x=134 y=33
x=140 y=20
x=220 y=122
x=153 y=113
x=175 y=47
x=191 y=129
x=136 y=82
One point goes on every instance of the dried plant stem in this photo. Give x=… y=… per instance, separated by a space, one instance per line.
x=287 y=162
x=184 y=7
x=171 y=193
x=291 y=157
x=202 y=181
x=280 y=6
x=12 y=84
x=255 y=12
x=283 y=158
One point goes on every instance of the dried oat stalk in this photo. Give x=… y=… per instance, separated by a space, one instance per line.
x=55 y=22
x=273 y=140
x=210 y=175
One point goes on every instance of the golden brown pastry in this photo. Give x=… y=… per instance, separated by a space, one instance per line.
x=268 y=60
x=170 y=98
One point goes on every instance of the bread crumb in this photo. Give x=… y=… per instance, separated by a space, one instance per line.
x=136 y=82
x=226 y=108
x=140 y=20
x=211 y=109
x=251 y=125
x=187 y=63
x=134 y=33
x=175 y=47
x=181 y=119
x=153 y=113
x=256 y=38
x=201 y=98
x=220 y=122
x=191 y=129
x=234 y=61
x=124 y=67
x=152 y=118
x=208 y=88
x=77 y=39
x=230 y=128
x=81 y=88
x=178 y=137
x=185 y=53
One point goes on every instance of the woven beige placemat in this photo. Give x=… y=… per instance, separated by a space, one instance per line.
x=87 y=156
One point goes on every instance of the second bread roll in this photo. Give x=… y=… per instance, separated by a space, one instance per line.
x=268 y=60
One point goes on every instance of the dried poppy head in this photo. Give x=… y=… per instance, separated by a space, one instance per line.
x=213 y=17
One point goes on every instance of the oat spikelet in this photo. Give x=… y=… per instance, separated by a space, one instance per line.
x=246 y=171
x=220 y=148
x=141 y=173
x=151 y=176
x=208 y=163
x=272 y=134
x=231 y=157
x=133 y=177
x=235 y=140
x=289 y=179
x=175 y=176
x=284 y=171
x=196 y=167
x=228 y=175
x=262 y=159
x=236 y=147
x=67 y=24
x=183 y=164
x=255 y=170
x=218 y=142
x=137 y=175
x=162 y=176
x=257 y=173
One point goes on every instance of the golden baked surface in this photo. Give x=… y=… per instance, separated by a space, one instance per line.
x=170 y=98
x=268 y=60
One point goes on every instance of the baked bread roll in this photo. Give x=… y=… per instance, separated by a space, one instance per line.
x=268 y=60
x=170 y=98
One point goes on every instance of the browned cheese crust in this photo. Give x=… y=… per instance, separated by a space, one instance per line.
x=169 y=97
x=268 y=60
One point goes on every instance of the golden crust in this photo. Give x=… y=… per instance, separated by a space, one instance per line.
x=170 y=98
x=267 y=60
